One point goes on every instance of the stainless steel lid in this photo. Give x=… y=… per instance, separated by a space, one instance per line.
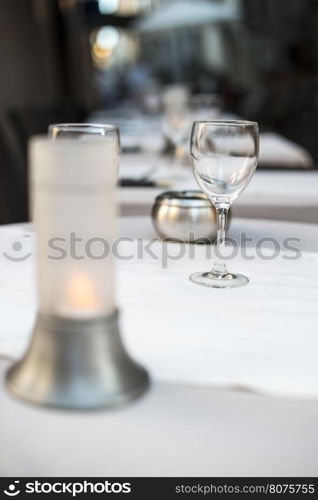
x=183 y=199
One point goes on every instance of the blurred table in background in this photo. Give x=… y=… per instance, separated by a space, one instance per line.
x=145 y=133
x=282 y=195
x=284 y=186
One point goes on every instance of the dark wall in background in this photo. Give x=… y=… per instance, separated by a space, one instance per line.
x=46 y=77
x=29 y=63
x=44 y=54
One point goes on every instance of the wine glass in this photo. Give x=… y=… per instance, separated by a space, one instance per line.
x=224 y=157
x=81 y=131
x=176 y=122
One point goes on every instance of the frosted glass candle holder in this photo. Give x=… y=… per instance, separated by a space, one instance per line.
x=76 y=358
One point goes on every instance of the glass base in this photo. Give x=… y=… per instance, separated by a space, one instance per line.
x=219 y=281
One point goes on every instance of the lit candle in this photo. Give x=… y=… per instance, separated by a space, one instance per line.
x=73 y=185
x=76 y=358
x=80 y=299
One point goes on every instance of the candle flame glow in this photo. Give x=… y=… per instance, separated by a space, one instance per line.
x=81 y=293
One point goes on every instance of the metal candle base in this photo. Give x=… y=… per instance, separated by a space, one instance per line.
x=77 y=364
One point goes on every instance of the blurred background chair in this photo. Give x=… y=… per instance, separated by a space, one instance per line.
x=16 y=128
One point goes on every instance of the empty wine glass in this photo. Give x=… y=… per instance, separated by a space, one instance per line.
x=224 y=157
x=176 y=123
x=82 y=130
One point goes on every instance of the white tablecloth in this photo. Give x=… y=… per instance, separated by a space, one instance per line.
x=259 y=338
x=172 y=431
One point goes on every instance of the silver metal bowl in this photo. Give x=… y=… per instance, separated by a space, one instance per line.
x=184 y=215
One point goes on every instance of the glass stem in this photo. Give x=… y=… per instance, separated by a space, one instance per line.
x=219 y=268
